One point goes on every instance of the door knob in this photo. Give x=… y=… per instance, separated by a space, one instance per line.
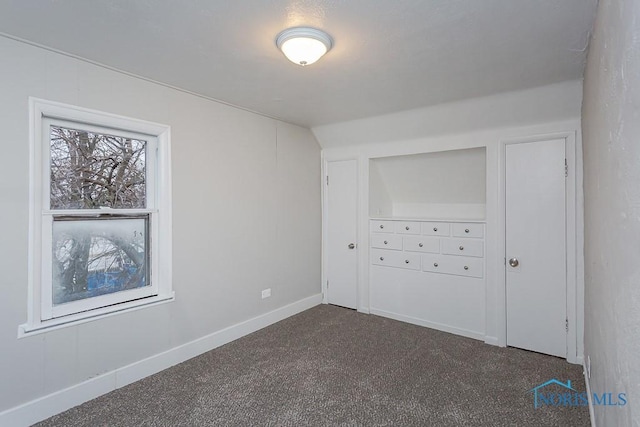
x=513 y=262
x=351 y=246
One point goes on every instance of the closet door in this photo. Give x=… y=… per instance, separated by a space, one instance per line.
x=536 y=269
x=341 y=211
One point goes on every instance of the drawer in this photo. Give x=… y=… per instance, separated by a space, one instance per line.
x=468 y=230
x=381 y=226
x=386 y=241
x=435 y=228
x=457 y=265
x=407 y=227
x=466 y=247
x=422 y=244
x=395 y=259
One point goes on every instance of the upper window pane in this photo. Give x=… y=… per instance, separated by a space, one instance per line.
x=92 y=170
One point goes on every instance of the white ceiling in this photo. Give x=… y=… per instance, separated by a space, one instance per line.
x=389 y=55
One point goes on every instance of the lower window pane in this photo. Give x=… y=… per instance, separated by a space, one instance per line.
x=93 y=257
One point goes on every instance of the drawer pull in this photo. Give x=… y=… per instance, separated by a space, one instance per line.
x=466 y=267
x=420 y=244
x=462 y=248
x=385 y=242
x=466 y=230
x=406 y=261
x=435 y=228
x=435 y=264
x=381 y=226
x=407 y=228
x=381 y=258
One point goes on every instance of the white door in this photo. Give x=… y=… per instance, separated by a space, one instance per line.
x=342 y=211
x=536 y=246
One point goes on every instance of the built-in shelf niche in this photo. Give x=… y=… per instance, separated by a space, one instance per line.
x=437 y=185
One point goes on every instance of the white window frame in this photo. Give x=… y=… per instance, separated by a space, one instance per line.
x=42 y=315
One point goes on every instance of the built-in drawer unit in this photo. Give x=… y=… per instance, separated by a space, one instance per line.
x=376 y=226
x=435 y=228
x=466 y=247
x=421 y=244
x=460 y=229
x=407 y=227
x=386 y=241
x=395 y=259
x=446 y=247
x=449 y=264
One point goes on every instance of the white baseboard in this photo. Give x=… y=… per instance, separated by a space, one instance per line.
x=59 y=401
x=492 y=340
x=592 y=414
x=433 y=325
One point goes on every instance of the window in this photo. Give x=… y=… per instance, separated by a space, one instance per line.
x=100 y=237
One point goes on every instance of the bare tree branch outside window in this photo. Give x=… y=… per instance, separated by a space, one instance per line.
x=97 y=256
x=92 y=170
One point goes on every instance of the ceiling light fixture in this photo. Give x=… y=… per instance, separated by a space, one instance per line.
x=304 y=45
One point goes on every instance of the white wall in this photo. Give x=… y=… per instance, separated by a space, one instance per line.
x=482 y=122
x=512 y=109
x=380 y=202
x=611 y=129
x=447 y=184
x=246 y=216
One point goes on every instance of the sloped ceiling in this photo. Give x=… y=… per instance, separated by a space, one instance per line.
x=389 y=56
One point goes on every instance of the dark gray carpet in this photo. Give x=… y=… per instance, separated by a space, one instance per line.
x=333 y=366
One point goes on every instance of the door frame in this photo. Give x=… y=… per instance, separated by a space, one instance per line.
x=324 y=190
x=575 y=288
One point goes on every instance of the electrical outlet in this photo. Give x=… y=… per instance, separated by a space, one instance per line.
x=588 y=367
x=266 y=293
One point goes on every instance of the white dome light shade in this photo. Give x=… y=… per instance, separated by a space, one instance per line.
x=303 y=51
x=303 y=45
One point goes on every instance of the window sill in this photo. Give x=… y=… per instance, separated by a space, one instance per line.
x=28 y=329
